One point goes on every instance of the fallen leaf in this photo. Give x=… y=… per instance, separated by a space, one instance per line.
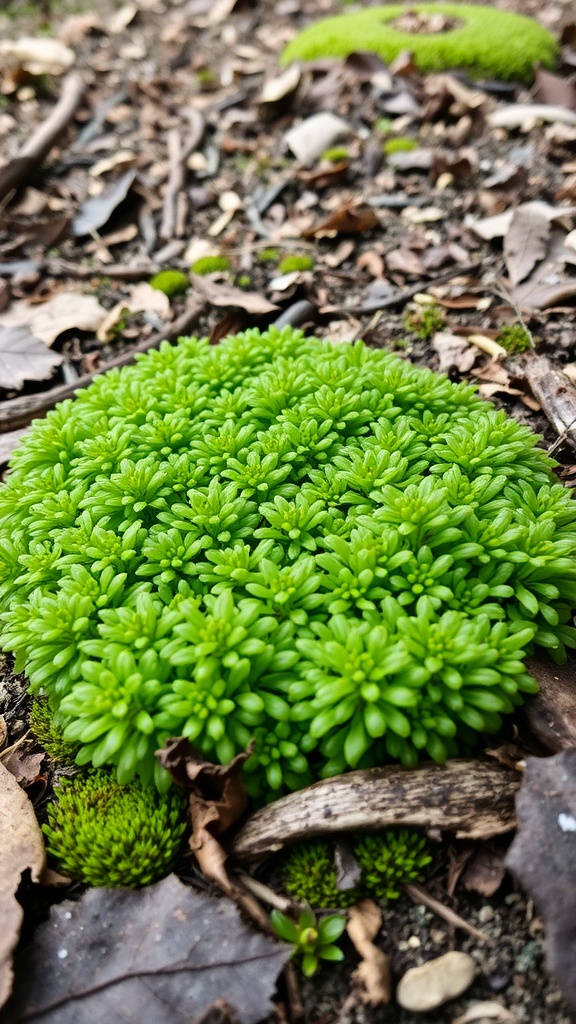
x=311 y=137
x=348 y=220
x=453 y=351
x=153 y=956
x=22 y=850
x=25 y=767
x=525 y=242
x=217 y=796
x=497 y=226
x=543 y=856
x=65 y=311
x=24 y=357
x=554 y=90
x=38 y=56
x=372 y=979
x=551 y=713
x=484 y=872
x=96 y=212
x=527 y=114
x=142 y=297
x=226 y=295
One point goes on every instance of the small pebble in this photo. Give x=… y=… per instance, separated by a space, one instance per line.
x=486 y=914
x=432 y=984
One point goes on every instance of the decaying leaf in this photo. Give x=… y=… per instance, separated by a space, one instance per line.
x=37 y=56
x=142 y=297
x=471 y=798
x=453 y=351
x=311 y=137
x=348 y=220
x=551 y=713
x=525 y=242
x=22 y=850
x=217 y=796
x=24 y=357
x=218 y=294
x=96 y=212
x=486 y=1012
x=372 y=978
x=152 y=956
x=484 y=872
x=65 y=311
x=543 y=856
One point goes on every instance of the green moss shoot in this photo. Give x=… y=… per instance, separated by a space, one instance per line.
x=295 y=262
x=399 y=146
x=487 y=41
x=171 y=282
x=105 y=834
x=310 y=876
x=336 y=154
x=424 y=321
x=390 y=860
x=211 y=265
x=515 y=339
x=49 y=736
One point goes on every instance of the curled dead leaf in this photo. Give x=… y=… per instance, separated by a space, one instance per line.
x=372 y=978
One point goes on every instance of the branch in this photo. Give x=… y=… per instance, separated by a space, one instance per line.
x=32 y=153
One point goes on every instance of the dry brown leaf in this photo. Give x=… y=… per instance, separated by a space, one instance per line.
x=217 y=796
x=348 y=220
x=543 y=856
x=65 y=311
x=22 y=850
x=24 y=357
x=25 y=767
x=226 y=295
x=484 y=872
x=96 y=212
x=525 y=242
x=453 y=351
x=372 y=979
x=142 y=297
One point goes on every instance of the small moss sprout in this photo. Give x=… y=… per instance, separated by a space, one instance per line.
x=515 y=339
x=399 y=145
x=211 y=265
x=296 y=262
x=424 y=321
x=105 y=834
x=171 y=282
x=309 y=873
x=49 y=735
x=336 y=154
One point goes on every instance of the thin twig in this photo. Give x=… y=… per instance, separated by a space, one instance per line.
x=33 y=152
x=419 y=895
x=294 y=999
x=265 y=893
x=178 y=154
x=19 y=412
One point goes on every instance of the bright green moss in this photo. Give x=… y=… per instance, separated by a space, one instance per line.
x=399 y=146
x=171 y=282
x=321 y=547
x=48 y=734
x=515 y=338
x=268 y=255
x=388 y=861
x=109 y=835
x=336 y=154
x=488 y=42
x=424 y=321
x=211 y=265
x=296 y=262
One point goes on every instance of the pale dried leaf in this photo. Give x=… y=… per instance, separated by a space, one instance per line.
x=24 y=357
x=22 y=850
x=38 y=56
x=486 y=1012
x=373 y=976
x=96 y=212
x=226 y=295
x=497 y=226
x=65 y=311
x=311 y=137
x=525 y=242
x=519 y=114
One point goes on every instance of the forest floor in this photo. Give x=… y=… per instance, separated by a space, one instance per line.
x=195 y=87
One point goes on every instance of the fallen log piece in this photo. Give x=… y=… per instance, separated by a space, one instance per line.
x=473 y=799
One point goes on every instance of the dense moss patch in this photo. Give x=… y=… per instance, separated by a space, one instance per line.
x=320 y=547
x=488 y=42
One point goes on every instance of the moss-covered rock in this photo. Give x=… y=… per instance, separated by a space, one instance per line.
x=484 y=41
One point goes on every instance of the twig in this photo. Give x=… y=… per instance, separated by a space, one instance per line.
x=419 y=895
x=265 y=893
x=400 y=298
x=32 y=153
x=178 y=154
x=117 y=272
x=294 y=999
x=555 y=394
x=18 y=412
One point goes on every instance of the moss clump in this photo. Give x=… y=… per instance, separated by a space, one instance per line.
x=388 y=861
x=105 y=834
x=424 y=321
x=211 y=265
x=324 y=548
x=515 y=339
x=296 y=262
x=486 y=41
x=171 y=282
x=399 y=146
x=336 y=154
x=268 y=255
x=49 y=736
x=310 y=876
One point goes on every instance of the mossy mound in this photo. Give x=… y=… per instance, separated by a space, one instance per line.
x=485 y=42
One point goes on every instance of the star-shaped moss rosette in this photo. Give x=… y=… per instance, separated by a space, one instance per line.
x=321 y=548
x=483 y=41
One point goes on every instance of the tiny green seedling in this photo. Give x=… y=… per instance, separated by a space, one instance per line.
x=313 y=941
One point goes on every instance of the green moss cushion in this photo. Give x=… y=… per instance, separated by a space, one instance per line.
x=487 y=42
